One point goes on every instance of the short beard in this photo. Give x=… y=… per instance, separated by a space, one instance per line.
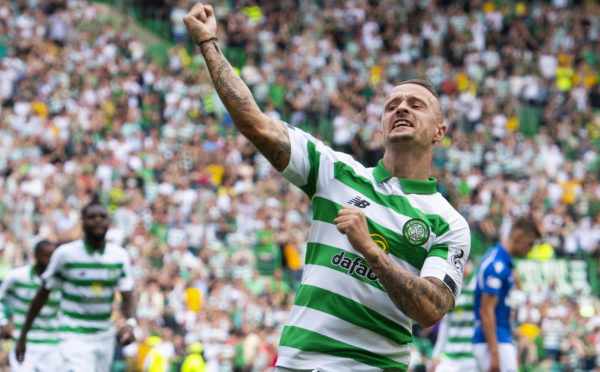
x=40 y=267
x=96 y=237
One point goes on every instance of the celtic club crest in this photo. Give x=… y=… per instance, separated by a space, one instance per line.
x=416 y=232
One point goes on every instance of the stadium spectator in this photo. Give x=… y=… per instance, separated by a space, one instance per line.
x=194 y=362
x=178 y=32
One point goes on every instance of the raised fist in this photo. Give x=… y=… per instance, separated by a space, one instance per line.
x=201 y=23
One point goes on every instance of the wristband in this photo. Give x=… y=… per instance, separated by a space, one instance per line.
x=199 y=43
x=132 y=322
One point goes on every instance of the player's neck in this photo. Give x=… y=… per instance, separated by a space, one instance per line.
x=38 y=269
x=407 y=163
x=507 y=247
x=95 y=244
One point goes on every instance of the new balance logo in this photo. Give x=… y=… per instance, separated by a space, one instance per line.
x=358 y=202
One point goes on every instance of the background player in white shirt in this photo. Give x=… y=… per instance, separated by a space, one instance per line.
x=16 y=293
x=87 y=272
x=453 y=350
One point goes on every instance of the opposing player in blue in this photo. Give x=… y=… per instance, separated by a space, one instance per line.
x=493 y=347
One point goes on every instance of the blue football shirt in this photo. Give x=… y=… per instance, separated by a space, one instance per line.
x=494 y=276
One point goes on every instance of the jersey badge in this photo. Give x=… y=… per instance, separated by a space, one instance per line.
x=416 y=232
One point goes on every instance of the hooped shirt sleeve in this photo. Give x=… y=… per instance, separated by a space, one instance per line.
x=447 y=257
x=311 y=162
x=53 y=276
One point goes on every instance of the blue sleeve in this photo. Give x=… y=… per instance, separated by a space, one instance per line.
x=494 y=276
x=311 y=162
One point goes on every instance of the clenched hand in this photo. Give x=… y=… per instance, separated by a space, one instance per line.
x=353 y=223
x=201 y=23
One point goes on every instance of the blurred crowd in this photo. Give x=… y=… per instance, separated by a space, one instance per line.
x=216 y=235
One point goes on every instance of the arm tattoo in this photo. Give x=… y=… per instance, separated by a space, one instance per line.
x=421 y=299
x=276 y=147
x=269 y=136
x=235 y=94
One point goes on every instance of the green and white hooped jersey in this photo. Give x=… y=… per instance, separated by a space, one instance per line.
x=87 y=280
x=458 y=326
x=16 y=293
x=342 y=318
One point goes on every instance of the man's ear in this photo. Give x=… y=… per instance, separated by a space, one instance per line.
x=440 y=132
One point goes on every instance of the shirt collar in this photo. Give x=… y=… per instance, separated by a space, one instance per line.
x=381 y=174
x=91 y=250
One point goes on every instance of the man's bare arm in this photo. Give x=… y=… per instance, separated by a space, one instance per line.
x=269 y=136
x=126 y=335
x=40 y=299
x=425 y=300
x=487 y=314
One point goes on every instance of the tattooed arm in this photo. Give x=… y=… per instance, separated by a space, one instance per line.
x=424 y=300
x=269 y=136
